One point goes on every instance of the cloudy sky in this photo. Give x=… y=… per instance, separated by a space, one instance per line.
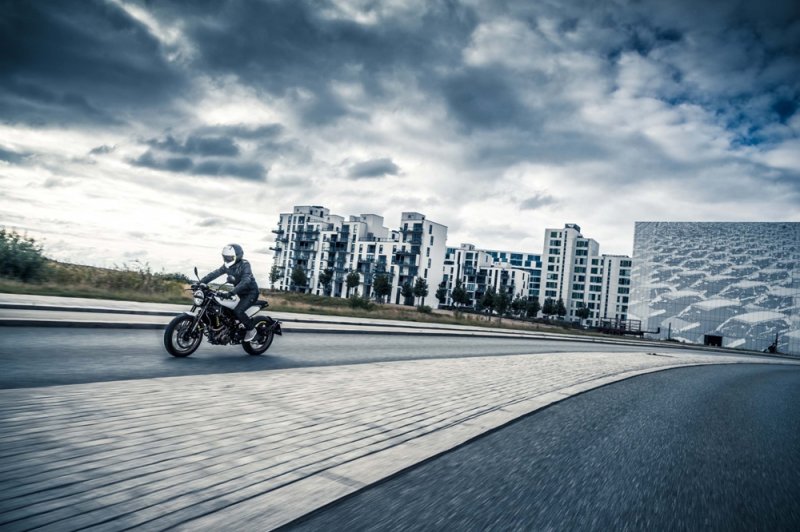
x=160 y=130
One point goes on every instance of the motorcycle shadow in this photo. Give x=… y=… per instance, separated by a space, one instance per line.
x=232 y=360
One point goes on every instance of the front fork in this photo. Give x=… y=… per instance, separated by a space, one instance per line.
x=196 y=315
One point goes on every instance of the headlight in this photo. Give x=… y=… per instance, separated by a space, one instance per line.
x=199 y=297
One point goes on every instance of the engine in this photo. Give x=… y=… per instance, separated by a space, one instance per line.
x=220 y=325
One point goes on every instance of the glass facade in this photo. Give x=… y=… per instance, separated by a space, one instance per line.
x=737 y=283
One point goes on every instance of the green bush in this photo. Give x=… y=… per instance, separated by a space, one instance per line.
x=360 y=302
x=20 y=257
x=425 y=309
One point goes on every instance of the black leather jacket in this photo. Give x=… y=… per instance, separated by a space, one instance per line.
x=240 y=275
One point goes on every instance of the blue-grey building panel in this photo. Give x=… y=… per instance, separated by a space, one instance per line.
x=736 y=280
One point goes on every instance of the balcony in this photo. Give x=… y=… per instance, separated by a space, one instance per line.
x=414 y=230
x=278 y=231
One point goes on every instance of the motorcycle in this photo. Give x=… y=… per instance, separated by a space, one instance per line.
x=212 y=316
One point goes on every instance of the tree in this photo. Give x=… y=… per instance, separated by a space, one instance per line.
x=407 y=291
x=518 y=305
x=549 y=307
x=352 y=280
x=583 y=313
x=420 y=289
x=488 y=300
x=326 y=280
x=299 y=279
x=533 y=307
x=274 y=275
x=501 y=302
x=382 y=287
x=21 y=257
x=441 y=293
x=459 y=294
x=560 y=309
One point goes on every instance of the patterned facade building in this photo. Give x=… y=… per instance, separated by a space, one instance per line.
x=737 y=283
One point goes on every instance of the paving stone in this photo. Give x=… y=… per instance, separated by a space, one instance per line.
x=256 y=450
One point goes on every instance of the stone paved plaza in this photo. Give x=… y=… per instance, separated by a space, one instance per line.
x=256 y=450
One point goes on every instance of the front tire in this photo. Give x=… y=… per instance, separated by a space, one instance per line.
x=263 y=339
x=178 y=341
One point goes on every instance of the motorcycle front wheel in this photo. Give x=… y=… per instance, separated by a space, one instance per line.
x=263 y=339
x=177 y=340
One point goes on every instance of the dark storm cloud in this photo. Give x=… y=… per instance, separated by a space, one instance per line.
x=102 y=150
x=281 y=46
x=11 y=156
x=484 y=98
x=79 y=62
x=198 y=145
x=264 y=132
x=373 y=168
x=250 y=171
x=268 y=141
x=245 y=170
x=90 y=62
x=537 y=201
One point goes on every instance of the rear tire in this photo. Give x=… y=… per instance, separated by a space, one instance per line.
x=263 y=339
x=176 y=339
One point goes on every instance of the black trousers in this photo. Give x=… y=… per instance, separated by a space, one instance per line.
x=245 y=301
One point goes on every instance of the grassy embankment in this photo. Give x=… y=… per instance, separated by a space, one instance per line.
x=124 y=284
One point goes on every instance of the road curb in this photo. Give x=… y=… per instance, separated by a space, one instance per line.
x=63 y=324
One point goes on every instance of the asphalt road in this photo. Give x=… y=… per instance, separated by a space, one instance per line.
x=706 y=448
x=35 y=356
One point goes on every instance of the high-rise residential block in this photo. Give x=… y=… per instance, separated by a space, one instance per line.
x=318 y=244
x=574 y=272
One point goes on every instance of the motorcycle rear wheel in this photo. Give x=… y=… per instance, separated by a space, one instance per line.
x=263 y=339
x=177 y=340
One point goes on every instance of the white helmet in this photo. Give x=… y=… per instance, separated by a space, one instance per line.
x=231 y=254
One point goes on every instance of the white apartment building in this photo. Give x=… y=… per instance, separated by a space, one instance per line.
x=574 y=271
x=422 y=256
x=480 y=270
x=299 y=240
x=313 y=240
x=530 y=262
x=616 y=287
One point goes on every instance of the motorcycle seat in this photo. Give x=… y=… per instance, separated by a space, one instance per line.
x=261 y=303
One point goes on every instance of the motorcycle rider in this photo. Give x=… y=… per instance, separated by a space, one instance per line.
x=240 y=275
